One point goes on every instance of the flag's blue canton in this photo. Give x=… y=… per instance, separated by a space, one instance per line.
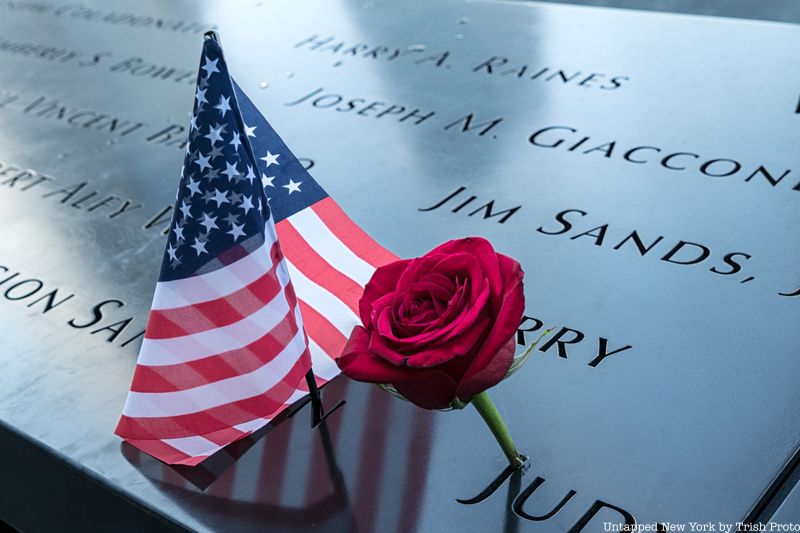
x=278 y=179
x=221 y=199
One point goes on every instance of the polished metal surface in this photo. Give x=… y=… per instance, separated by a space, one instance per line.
x=693 y=421
x=776 y=10
x=789 y=511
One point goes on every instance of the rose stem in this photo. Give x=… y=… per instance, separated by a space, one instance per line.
x=492 y=417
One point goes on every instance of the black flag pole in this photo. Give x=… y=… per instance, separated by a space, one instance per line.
x=318 y=413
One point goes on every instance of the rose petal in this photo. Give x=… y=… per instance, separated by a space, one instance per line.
x=386 y=350
x=491 y=374
x=460 y=322
x=483 y=372
x=436 y=280
x=438 y=335
x=423 y=318
x=452 y=309
x=455 y=347
x=382 y=282
x=357 y=362
x=430 y=390
x=483 y=252
x=462 y=266
x=383 y=324
x=415 y=270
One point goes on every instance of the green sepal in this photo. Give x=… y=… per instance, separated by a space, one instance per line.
x=520 y=360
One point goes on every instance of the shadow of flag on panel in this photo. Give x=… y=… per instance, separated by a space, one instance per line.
x=366 y=469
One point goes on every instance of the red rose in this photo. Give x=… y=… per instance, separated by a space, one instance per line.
x=438 y=327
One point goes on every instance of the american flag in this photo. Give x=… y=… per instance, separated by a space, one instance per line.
x=239 y=315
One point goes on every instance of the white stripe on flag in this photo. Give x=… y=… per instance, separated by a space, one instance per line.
x=252 y=425
x=193 y=446
x=215 y=284
x=199 y=447
x=322 y=363
x=330 y=248
x=325 y=303
x=225 y=391
x=158 y=352
x=257 y=423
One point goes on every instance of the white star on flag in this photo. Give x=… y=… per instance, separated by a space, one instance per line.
x=200 y=96
x=185 y=208
x=224 y=105
x=219 y=197
x=202 y=162
x=172 y=252
x=230 y=170
x=210 y=67
x=199 y=246
x=236 y=231
x=209 y=222
x=250 y=176
x=293 y=186
x=271 y=159
x=247 y=204
x=235 y=140
x=193 y=186
x=214 y=134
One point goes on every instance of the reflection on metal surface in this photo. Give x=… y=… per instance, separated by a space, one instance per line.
x=207 y=472
x=253 y=499
x=287 y=475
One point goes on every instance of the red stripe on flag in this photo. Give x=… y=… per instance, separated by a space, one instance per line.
x=182 y=376
x=322 y=331
x=225 y=436
x=315 y=268
x=180 y=321
x=217 y=418
x=351 y=234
